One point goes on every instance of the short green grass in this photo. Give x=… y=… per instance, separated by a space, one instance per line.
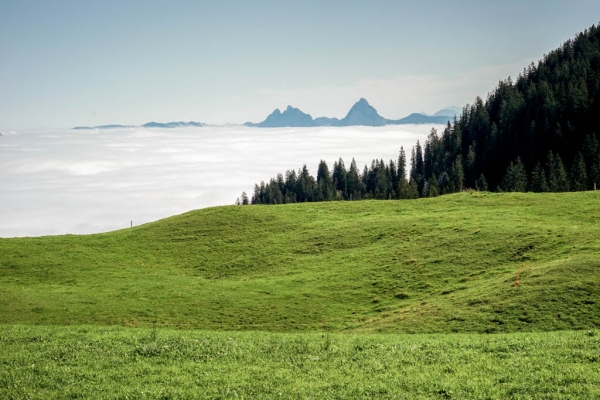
x=440 y=265
x=100 y=362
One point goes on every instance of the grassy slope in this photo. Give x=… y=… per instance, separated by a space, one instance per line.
x=99 y=362
x=433 y=265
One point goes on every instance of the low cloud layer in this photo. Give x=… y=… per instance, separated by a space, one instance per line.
x=57 y=182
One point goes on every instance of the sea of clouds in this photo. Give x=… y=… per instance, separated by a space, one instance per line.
x=73 y=181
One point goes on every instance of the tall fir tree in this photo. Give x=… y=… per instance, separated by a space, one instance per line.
x=539 y=182
x=340 y=179
x=579 y=179
x=557 y=176
x=515 y=179
x=402 y=184
x=481 y=184
x=354 y=182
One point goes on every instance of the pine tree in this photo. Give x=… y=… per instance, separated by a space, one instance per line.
x=419 y=159
x=354 y=182
x=412 y=191
x=481 y=184
x=413 y=166
x=590 y=146
x=402 y=184
x=471 y=173
x=291 y=182
x=326 y=188
x=457 y=176
x=539 y=183
x=578 y=174
x=515 y=179
x=245 y=200
x=557 y=176
x=340 y=179
x=431 y=188
x=306 y=185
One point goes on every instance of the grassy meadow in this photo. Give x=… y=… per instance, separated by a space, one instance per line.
x=98 y=362
x=447 y=264
x=313 y=300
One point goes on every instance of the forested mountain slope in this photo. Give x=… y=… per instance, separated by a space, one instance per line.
x=536 y=133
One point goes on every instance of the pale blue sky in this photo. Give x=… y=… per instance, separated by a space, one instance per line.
x=67 y=63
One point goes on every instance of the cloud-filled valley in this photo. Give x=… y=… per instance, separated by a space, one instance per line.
x=67 y=181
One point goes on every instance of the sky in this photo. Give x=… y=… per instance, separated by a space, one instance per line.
x=67 y=181
x=68 y=62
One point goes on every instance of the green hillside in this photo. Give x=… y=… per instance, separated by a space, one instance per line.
x=447 y=264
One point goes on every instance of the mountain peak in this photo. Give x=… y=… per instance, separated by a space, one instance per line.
x=292 y=117
x=362 y=113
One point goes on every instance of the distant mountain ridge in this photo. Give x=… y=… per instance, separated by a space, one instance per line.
x=361 y=114
x=178 y=124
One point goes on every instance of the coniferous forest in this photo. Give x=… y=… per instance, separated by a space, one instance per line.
x=537 y=133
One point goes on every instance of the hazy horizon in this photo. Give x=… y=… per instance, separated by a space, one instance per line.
x=71 y=64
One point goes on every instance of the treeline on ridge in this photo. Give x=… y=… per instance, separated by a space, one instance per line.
x=537 y=133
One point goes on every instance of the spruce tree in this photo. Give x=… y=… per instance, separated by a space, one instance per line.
x=578 y=174
x=557 y=176
x=413 y=166
x=306 y=185
x=340 y=178
x=481 y=184
x=326 y=188
x=590 y=146
x=354 y=182
x=402 y=184
x=515 y=179
x=412 y=191
x=539 y=183
x=245 y=200
x=471 y=173
x=431 y=188
x=457 y=176
x=256 y=195
x=291 y=181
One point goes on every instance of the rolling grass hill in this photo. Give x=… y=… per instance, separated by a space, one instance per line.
x=470 y=262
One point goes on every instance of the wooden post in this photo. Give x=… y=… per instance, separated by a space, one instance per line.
x=131 y=224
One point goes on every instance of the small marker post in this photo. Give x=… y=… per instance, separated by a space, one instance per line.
x=131 y=224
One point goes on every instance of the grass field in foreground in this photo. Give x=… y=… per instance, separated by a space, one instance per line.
x=470 y=262
x=101 y=362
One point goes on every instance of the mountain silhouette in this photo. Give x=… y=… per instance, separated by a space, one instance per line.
x=177 y=124
x=361 y=113
x=291 y=117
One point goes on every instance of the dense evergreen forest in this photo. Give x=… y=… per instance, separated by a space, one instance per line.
x=538 y=133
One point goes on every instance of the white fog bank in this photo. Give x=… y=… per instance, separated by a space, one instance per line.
x=57 y=182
